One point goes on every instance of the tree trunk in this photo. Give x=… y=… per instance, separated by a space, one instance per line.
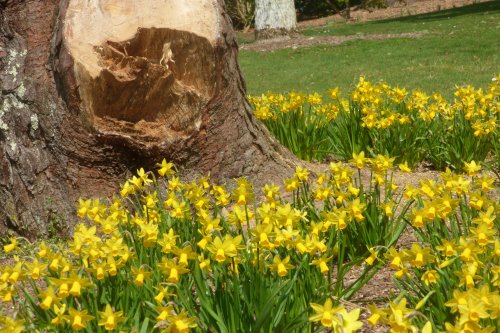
x=274 y=18
x=92 y=90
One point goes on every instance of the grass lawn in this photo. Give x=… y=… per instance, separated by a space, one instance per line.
x=460 y=46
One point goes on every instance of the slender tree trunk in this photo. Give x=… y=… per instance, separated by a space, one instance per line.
x=91 y=90
x=274 y=18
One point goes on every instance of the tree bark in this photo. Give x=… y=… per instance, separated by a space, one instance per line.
x=274 y=18
x=79 y=113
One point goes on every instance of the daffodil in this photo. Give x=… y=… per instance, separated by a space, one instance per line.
x=16 y=273
x=334 y=93
x=7 y=292
x=375 y=315
x=339 y=218
x=222 y=250
x=149 y=234
x=11 y=246
x=165 y=169
x=204 y=263
x=48 y=298
x=243 y=194
x=182 y=323
x=184 y=254
x=11 y=325
x=388 y=208
x=357 y=208
x=430 y=277
x=322 y=263
x=83 y=207
x=60 y=313
x=43 y=250
x=222 y=198
x=63 y=286
x=291 y=184
x=348 y=322
x=472 y=168
x=163 y=291
x=271 y=192
x=172 y=270
x=110 y=319
x=359 y=160
x=301 y=173
x=326 y=314
x=264 y=234
x=164 y=312
x=99 y=270
x=372 y=257
x=448 y=248
x=281 y=266
x=404 y=167
x=77 y=283
x=141 y=274
x=78 y=320
x=484 y=234
x=396 y=258
x=419 y=256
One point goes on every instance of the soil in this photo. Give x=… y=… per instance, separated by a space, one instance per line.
x=397 y=9
x=306 y=41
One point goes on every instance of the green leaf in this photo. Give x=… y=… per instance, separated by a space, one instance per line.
x=144 y=327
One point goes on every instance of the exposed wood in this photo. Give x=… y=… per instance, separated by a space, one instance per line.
x=91 y=90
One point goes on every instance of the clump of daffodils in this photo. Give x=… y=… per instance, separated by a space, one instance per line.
x=453 y=270
x=165 y=255
x=411 y=126
x=160 y=255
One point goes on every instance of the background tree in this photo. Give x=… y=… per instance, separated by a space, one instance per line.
x=92 y=90
x=274 y=18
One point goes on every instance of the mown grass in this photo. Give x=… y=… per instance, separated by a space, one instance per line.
x=459 y=46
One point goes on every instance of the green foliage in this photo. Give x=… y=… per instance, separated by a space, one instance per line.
x=469 y=135
x=346 y=134
x=298 y=122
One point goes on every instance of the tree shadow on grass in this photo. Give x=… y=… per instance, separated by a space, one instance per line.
x=484 y=7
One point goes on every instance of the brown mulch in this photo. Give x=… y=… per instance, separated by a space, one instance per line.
x=306 y=41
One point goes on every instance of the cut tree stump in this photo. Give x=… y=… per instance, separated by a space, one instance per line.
x=91 y=90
